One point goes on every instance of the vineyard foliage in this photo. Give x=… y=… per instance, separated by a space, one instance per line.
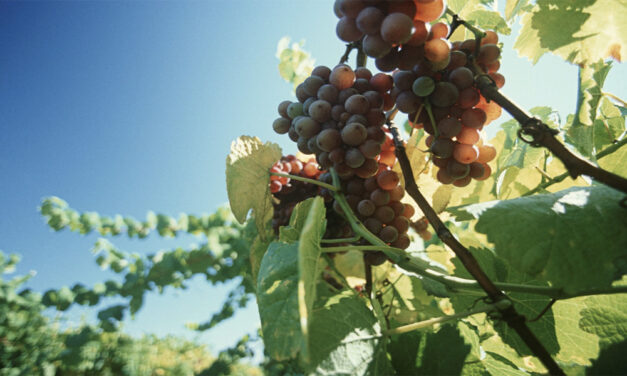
x=556 y=245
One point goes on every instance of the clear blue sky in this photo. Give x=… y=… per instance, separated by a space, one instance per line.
x=124 y=107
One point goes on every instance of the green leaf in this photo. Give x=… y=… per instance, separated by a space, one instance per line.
x=345 y=337
x=579 y=31
x=444 y=352
x=295 y=64
x=310 y=263
x=489 y=20
x=247 y=178
x=615 y=162
x=277 y=297
x=606 y=317
x=572 y=238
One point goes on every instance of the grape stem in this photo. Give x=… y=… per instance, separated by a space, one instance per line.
x=608 y=150
x=437 y=320
x=306 y=180
x=340 y=240
x=515 y=320
x=431 y=118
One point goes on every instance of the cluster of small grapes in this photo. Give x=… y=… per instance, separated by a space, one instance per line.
x=339 y=118
x=396 y=33
x=288 y=192
x=458 y=109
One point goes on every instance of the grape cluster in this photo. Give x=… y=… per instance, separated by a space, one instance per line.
x=458 y=110
x=396 y=33
x=288 y=192
x=339 y=118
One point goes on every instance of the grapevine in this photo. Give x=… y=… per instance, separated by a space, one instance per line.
x=360 y=188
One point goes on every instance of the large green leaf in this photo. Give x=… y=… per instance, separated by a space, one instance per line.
x=574 y=239
x=579 y=31
x=515 y=7
x=611 y=361
x=310 y=263
x=295 y=64
x=247 y=178
x=615 y=162
x=606 y=316
x=277 y=298
x=345 y=337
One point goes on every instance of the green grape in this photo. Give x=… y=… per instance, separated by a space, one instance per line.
x=423 y=86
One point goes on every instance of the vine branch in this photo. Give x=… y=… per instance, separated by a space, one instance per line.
x=510 y=315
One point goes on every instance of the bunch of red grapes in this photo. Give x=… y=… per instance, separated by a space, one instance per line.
x=396 y=33
x=289 y=192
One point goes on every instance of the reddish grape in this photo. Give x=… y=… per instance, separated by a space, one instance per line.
x=437 y=50
x=369 y=20
x=457 y=170
x=486 y=153
x=468 y=136
x=465 y=153
x=449 y=127
x=396 y=28
x=388 y=234
x=439 y=30
x=462 y=182
x=430 y=11
x=388 y=180
x=443 y=176
x=342 y=77
x=474 y=117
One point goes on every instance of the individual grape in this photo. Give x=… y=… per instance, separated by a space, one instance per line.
x=322 y=72
x=486 y=172
x=328 y=92
x=420 y=34
x=406 y=7
x=493 y=67
x=375 y=99
x=468 y=136
x=353 y=201
x=375 y=46
x=380 y=197
x=342 y=77
x=409 y=211
x=401 y=223
x=408 y=102
x=404 y=79
x=275 y=186
x=370 y=148
x=283 y=108
x=367 y=169
x=357 y=104
x=313 y=146
x=468 y=46
x=351 y=8
x=306 y=105
x=295 y=109
x=444 y=177
x=461 y=77
x=468 y=98
x=445 y=94
x=322 y=157
x=437 y=50
x=353 y=158
x=373 y=225
x=492 y=110
x=347 y=30
x=397 y=193
x=281 y=125
x=476 y=170
x=292 y=134
x=498 y=78
x=371 y=184
x=302 y=145
x=374 y=258
x=449 y=127
x=361 y=85
x=366 y=208
x=345 y=94
x=430 y=11
x=441 y=65
x=320 y=110
x=312 y=84
x=442 y=147
x=458 y=59
x=388 y=62
x=465 y=153
x=486 y=153
x=344 y=171
x=388 y=234
x=329 y=139
x=488 y=53
x=474 y=117
x=396 y=28
x=440 y=162
x=439 y=30
x=307 y=127
x=337 y=155
x=369 y=20
x=388 y=179
x=385 y=214
x=423 y=86
x=354 y=134
x=462 y=182
x=381 y=82
x=402 y=242
x=457 y=170
x=310 y=170
x=490 y=38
